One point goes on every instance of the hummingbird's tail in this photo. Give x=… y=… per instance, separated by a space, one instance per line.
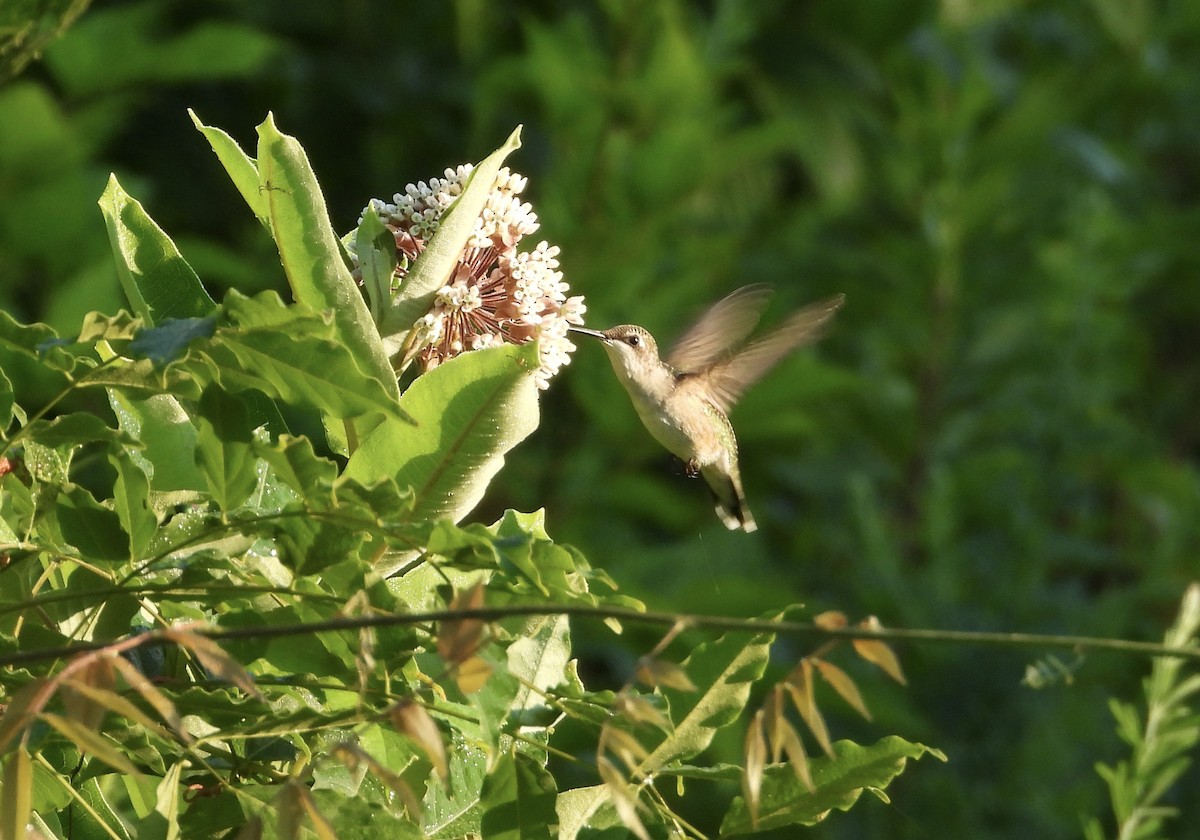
x=731 y=502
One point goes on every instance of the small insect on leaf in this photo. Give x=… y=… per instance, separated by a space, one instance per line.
x=459 y=638
x=755 y=758
x=217 y=662
x=411 y=718
x=659 y=673
x=800 y=685
x=843 y=685
x=623 y=802
x=877 y=652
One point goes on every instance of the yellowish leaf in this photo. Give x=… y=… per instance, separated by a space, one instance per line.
x=623 y=745
x=219 y=664
x=755 y=759
x=80 y=706
x=459 y=639
x=831 y=620
x=322 y=827
x=352 y=755
x=659 y=673
x=22 y=709
x=472 y=674
x=150 y=693
x=800 y=685
x=16 y=795
x=638 y=709
x=623 y=802
x=796 y=755
x=103 y=699
x=877 y=652
x=843 y=685
x=411 y=718
x=773 y=717
x=91 y=742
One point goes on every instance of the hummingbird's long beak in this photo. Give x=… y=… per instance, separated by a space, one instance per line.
x=593 y=333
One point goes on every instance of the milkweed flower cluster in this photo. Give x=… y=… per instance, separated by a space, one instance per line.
x=496 y=293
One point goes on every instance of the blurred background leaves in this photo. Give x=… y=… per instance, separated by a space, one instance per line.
x=1000 y=431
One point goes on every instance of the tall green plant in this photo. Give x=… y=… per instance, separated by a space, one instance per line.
x=208 y=626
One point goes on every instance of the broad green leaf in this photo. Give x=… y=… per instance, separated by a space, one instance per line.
x=223 y=450
x=291 y=353
x=294 y=463
x=171 y=339
x=131 y=499
x=724 y=670
x=518 y=800
x=433 y=267
x=539 y=659
x=242 y=169
x=310 y=252
x=91 y=742
x=165 y=430
x=470 y=411
x=838 y=782
x=16 y=795
x=158 y=282
x=95 y=530
x=453 y=809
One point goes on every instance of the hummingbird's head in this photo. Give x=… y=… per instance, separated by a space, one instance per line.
x=632 y=350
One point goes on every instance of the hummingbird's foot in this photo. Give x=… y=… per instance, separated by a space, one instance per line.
x=692 y=468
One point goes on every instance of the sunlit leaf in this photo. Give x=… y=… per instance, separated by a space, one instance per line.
x=838 y=782
x=218 y=663
x=470 y=411
x=800 y=684
x=472 y=674
x=622 y=798
x=310 y=252
x=242 y=169
x=151 y=694
x=77 y=700
x=754 y=756
x=159 y=284
x=842 y=684
x=458 y=639
x=16 y=795
x=518 y=799
x=432 y=269
x=878 y=652
x=659 y=673
x=91 y=742
x=411 y=718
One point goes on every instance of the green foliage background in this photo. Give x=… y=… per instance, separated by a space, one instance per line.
x=1000 y=431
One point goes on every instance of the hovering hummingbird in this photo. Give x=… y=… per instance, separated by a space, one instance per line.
x=684 y=400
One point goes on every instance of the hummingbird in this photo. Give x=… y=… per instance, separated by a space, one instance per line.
x=684 y=399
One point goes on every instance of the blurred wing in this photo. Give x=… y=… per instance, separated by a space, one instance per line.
x=728 y=380
x=726 y=323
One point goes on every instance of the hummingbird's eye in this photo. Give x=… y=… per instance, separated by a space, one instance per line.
x=634 y=340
